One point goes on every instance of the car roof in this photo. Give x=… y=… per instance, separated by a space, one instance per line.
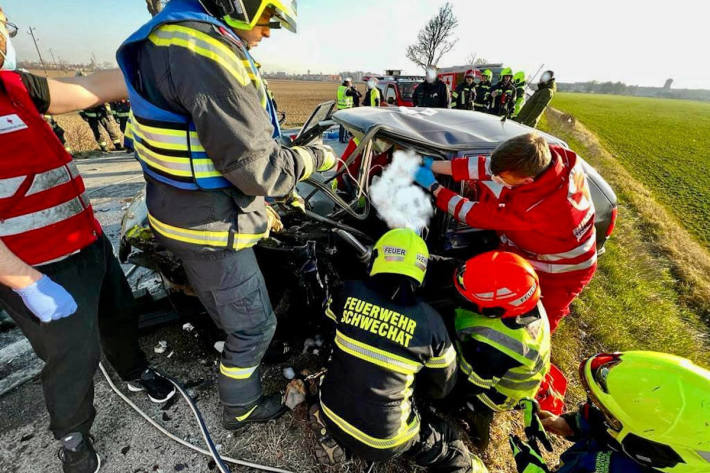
x=436 y=129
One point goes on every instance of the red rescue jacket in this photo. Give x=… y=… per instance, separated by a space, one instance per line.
x=44 y=213
x=550 y=221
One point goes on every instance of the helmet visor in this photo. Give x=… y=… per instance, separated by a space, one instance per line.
x=600 y=367
x=248 y=13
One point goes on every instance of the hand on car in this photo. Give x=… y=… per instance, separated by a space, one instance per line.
x=47 y=300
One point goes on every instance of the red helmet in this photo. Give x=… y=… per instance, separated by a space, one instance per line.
x=498 y=284
x=469 y=73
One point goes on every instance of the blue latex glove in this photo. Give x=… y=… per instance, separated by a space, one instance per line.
x=427 y=161
x=424 y=177
x=47 y=300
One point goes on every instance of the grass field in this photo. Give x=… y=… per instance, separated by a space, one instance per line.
x=663 y=143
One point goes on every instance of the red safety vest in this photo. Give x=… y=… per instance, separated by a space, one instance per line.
x=44 y=213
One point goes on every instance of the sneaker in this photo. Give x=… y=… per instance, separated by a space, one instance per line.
x=82 y=460
x=264 y=410
x=158 y=388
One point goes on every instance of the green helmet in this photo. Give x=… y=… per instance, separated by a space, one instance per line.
x=401 y=251
x=506 y=71
x=245 y=14
x=656 y=407
x=488 y=74
x=519 y=77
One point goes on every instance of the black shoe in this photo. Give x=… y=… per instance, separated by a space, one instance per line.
x=159 y=389
x=264 y=410
x=82 y=460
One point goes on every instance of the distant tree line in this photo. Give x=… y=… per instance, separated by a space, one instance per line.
x=620 y=88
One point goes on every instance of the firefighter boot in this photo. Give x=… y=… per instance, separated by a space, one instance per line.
x=263 y=410
x=328 y=452
x=479 y=422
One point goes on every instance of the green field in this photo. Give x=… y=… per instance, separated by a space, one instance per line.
x=665 y=144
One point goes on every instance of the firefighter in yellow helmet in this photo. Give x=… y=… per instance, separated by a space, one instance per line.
x=503 y=94
x=203 y=128
x=389 y=347
x=646 y=412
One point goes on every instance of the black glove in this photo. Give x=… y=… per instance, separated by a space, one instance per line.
x=527 y=460
x=534 y=429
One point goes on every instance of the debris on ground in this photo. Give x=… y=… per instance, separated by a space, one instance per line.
x=219 y=346
x=188 y=327
x=289 y=373
x=161 y=347
x=295 y=393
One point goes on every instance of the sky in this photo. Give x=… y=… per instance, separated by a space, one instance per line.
x=640 y=42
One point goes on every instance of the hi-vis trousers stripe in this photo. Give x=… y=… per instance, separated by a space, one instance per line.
x=43 y=218
x=204 y=237
x=237 y=373
x=376 y=356
x=402 y=437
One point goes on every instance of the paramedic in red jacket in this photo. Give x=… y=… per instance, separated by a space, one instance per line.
x=537 y=198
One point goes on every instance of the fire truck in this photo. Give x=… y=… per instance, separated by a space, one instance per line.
x=396 y=90
x=454 y=75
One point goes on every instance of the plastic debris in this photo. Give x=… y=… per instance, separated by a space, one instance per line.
x=161 y=347
x=319 y=340
x=171 y=354
x=188 y=327
x=219 y=346
x=308 y=343
x=289 y=373
x=295 y=393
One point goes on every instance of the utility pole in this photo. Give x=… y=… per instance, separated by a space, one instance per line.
x=51 y=53
x=32 y=30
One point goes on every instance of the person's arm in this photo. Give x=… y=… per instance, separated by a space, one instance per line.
x=15 y=273
x=77 y=93
x=438 y=377
x=468 y=168
x=487 y=365
x=486 y=213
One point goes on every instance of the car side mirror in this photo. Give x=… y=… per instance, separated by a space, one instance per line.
x=390 y=100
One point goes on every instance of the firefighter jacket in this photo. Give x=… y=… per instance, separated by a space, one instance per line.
x=45 y=214
x=384 y=352
x=203 y=130
x=464 y=96
x=483 y=96
x=121 y=109
x=549 y=222
x=100 y=111
x=532 y=110
x=434 y=95
x=372 y=98
x=504 y=360
x=503 y=103
x=593 y=449
x=519 y=97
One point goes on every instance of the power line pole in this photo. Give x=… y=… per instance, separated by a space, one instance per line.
x=51 y=53
x=32 y=30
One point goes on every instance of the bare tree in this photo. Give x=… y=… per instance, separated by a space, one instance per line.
x=435 y=39
x=154 y=6
x=480 y=60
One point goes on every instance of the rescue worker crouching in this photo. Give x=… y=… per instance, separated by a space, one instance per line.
x=503 y=337
x=389 y=346
x=205 y=140
x=483 y=92
x=646 y=412
x=503 y=95
x=465 y=94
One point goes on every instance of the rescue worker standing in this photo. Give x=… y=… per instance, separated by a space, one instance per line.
x=520 y=84
x=483 y=92
x=189 y=68
x=432 y=92
x=503 y=337
x=390 y=346
x=646 y=412
x=532 y=111
x=59 y=279
x=97 y=118
x=537 y=198
x=372 y=96
x=465 y=94
x=503 y=95
x=346 y=99
x=121 y=109
x=58 y=131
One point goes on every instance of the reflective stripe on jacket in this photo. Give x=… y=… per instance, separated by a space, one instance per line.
x=44 y=212
x=529 y=346
x=166 y=143
x=344 y=100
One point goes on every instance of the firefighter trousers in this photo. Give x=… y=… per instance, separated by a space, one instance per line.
x=232 y=289
x=96 y=123
x=71 y=347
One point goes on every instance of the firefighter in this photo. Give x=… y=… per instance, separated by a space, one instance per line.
x=204 y=131
x=537 y=198
x=372 y=97
x=97 y=118
x=432 y=92
x=120 y=110
x=503 y=337
x=59 y=279
x=389 y=347
x=532 y=111
x=465 y=94
x=520 y=84
x=483 y=92
x=646 y=412
x=347 y=94
x=503 y=95
x=58 y=131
